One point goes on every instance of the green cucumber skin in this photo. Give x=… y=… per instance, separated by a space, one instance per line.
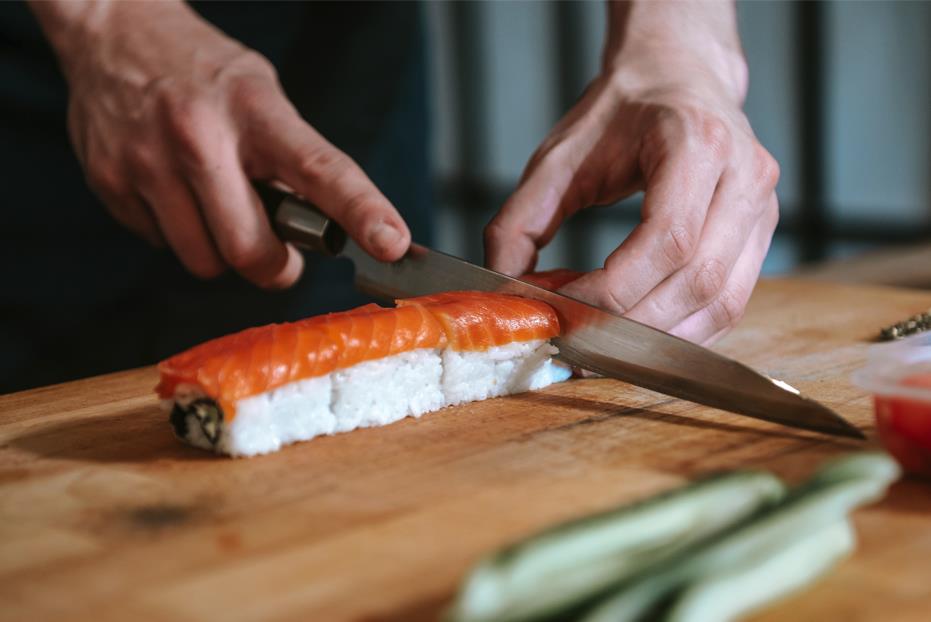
x=825 y=499
x=873 y=465
x=742 y=590
x=485 y=596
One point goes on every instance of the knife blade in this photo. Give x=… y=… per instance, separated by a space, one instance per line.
x=591 y=338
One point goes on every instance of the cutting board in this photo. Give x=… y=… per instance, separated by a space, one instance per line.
x=105 y=516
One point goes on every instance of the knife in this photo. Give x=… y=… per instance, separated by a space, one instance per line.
x=591 y=338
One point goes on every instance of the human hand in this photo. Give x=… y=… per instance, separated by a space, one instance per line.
x=664 y=121
x=171 y=119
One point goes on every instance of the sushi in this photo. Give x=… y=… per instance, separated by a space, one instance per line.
x=255 y=391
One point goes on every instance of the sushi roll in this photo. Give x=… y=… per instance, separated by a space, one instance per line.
x=255 y=391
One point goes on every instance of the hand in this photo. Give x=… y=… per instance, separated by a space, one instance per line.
x=171 y=120
x=661 y=121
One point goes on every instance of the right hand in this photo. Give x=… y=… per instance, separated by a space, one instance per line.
x=171 y=120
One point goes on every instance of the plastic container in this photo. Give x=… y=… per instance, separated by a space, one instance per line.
x=898 y=375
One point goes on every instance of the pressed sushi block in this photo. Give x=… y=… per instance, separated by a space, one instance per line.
x=257 y=390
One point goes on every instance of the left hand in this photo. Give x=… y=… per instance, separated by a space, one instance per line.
x=709 y=210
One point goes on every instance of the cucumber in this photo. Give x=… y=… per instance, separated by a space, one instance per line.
x=748 y=587
x=564 y=566
x=816 y=505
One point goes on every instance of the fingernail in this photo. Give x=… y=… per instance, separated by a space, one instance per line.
x=383 y=237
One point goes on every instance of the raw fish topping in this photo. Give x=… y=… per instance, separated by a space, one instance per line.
x=260 y=359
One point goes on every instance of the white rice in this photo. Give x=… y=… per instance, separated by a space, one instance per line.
x=385 y=390
x=375 y=393
x=503 y=370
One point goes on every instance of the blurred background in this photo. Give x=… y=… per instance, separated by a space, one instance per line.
x=840 y=94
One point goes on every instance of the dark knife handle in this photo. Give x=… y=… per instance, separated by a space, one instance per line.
x=300 y=222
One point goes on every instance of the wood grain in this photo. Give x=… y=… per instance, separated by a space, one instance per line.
x=104 y=515
x=908 y=266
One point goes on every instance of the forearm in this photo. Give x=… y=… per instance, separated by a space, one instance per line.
x=674 y=40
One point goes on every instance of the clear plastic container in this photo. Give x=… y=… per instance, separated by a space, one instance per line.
x=898 y=374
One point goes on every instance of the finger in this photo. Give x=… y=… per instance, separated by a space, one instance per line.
x=181 y=224
x=716 y=319
x=308 y=163
x=678 y=193
x=238 y=223
x=529 y=219
x=735 y=210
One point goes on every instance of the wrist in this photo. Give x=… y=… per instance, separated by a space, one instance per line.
x=667 y=44
x=659 y=67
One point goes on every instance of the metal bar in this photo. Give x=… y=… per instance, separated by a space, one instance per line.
x=814 y=226
x=472 y=118
x=569 y=60
x=470 y=78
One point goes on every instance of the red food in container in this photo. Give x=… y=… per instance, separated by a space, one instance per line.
x=899 y=376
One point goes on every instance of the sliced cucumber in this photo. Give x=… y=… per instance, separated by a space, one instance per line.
x=561 y=567
x=816 y=505
x=743 y=589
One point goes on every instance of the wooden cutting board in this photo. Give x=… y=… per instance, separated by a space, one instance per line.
x=105 y=516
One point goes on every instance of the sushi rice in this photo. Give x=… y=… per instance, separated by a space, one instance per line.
x=367 y=394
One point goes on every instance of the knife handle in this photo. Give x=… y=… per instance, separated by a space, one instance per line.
x=300 y=222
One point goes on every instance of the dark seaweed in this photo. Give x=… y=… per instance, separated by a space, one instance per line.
x=208 y=414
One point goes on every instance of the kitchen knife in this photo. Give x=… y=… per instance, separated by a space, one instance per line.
x=591 y=338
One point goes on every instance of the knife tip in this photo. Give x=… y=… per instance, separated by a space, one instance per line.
x=850 y=431
x=833 y=423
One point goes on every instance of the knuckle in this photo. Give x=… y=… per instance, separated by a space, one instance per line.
x=494 y=232
x=766 y=169
x=322 y=165
x=678 y=245
x=249 y=94
x=728 y=309
x=698 y=131
x=247 y=80
x=244 y=254
x=140 y=158
x=105 y=177
x=362 y=207
x=252 y=63
x=185 y=119
x=614 y=302
x=714 y=134
x=708 y=281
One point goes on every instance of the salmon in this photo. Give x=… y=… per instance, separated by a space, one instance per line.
x=475 y=321
x=259 y=360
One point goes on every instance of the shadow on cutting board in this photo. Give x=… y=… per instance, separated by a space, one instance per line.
x=143 y=435
x=609 y=410
x=139 y=435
